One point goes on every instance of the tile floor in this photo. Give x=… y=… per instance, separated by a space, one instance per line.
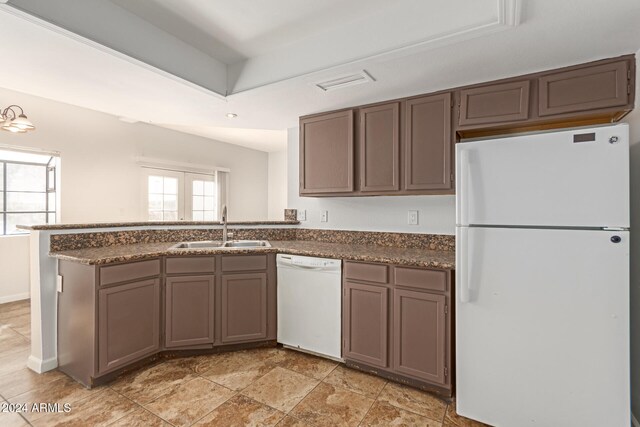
x=263 y=387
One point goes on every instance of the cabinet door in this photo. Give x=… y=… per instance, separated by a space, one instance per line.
x=379 y=140
x=326 y=153
x=365 y=323
x=588 y=88
x=419 y=335
x=244 y=307
x=497 y=103
x=189 y=309
x=427 y=151
x=128 y=323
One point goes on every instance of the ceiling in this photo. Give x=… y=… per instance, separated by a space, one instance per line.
x=185 y=64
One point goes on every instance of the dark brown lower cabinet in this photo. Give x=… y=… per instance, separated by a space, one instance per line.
x=128 y=323
x=189 y=310
x=116 y=315
x=399 y=325
x=244 y=307
x=419 y=335
x=365 y=320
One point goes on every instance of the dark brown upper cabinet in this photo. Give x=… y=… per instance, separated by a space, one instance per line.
x=428 y=143
x=585 y=89
x=189 y=309
x=498 y=103
x=326 y=153
x=379 y=145
x=587 y=94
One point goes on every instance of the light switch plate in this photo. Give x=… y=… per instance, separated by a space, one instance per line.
x=324 y=216
x=302 y=215
x=412 y=218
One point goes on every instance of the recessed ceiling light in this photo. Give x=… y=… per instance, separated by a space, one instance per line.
x=232 y=115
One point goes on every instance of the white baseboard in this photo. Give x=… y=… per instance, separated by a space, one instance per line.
x=634 y=421
x=40 y=366
x=14 y=297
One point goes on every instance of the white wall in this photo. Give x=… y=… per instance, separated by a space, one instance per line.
x=100 y=180
x=277 y=184
x=14 y=268
x=388 y=213
x=634 y=124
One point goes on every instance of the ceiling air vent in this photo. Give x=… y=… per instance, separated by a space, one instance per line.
x=345 y=81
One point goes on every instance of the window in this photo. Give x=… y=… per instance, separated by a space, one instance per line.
x=175 y=195
x=27 y=190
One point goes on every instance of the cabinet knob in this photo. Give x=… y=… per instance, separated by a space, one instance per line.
x=616 y=239
x=613 y=140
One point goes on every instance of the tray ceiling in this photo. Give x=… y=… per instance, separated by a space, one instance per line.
x=186 y=64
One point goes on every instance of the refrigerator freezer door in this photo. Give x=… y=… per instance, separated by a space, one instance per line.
x=577 y=178
x=542 y=338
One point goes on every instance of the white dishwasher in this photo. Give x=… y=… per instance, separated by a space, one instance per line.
x=309 y=304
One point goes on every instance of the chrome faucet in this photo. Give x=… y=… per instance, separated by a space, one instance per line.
x=225 y=220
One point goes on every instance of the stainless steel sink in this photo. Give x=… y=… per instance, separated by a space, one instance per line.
x=198 y=245
x=216 y=244
x=247 y=244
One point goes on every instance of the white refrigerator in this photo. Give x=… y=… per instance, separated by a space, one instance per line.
x=542 y=272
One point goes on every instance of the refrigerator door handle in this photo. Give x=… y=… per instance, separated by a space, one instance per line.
x=463 y=190
x=462 y=264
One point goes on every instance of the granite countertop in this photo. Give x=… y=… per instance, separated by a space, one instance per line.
x=146 y=223
x=369 y=253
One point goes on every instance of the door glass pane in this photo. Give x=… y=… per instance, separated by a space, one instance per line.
x=209 y=188
x=198 y=203
x=21 y=202
x=170 y=216
x=198 y=188
x=26 y=177
x=1 y=204
x=155 y=202
x=198 y=215
x=170 y=203
x=155 y=215
x=210 y=203
x=155 y=184
x=170 y=185
x=1 y=178
x=52 y=218
x=24 y=219
x=163 y=197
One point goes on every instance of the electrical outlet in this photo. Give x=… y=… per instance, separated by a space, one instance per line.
x=412 y=218
x=324 y=216
x=302 y=215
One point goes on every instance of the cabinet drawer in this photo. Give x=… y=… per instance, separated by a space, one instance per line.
x=588 y=88
x=190 y=265
x=435 y=280
x=378 y=273
x=130 y=271
x=497 y=103
x=244 y=262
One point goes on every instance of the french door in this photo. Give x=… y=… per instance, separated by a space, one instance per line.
x=174 y=195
